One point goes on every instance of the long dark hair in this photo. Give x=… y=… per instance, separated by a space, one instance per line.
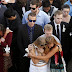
x=2 y=28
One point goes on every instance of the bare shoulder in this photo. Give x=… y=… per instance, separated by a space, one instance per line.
x=59 y=47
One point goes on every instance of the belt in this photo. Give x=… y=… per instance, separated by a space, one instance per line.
x=39 y=66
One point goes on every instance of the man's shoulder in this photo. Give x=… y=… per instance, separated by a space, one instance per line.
x=56 y=38
x=64 y=23
x=41 y=8
x=27 y=12
x=43 y=35
x=54 y=8
x=38 y=26
x=52 y=22
x=68 y=2
x=3 y=7
x=42 y=12
x=44 y=15
x=22 y=26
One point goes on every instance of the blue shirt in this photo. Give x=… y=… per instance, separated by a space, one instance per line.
x=29 y=29
x=69 y=3
x=41 y=19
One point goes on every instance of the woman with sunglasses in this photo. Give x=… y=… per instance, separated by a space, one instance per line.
x=38 y=48
x=54 y=48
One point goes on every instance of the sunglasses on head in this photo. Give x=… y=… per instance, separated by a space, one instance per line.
x=32 y=20
x=43 y=45
x=32 y=8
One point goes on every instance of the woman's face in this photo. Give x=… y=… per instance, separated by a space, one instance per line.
x=41 y=47
x=42 y=44
x=50 y=45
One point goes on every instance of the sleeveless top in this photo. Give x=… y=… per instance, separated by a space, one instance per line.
x=41 y=62
x=53 y=65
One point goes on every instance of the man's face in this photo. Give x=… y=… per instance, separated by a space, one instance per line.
x=58 y=18
x=33 y=8
x=46 y=9
x=65 y=11
x=31 y=21
x=48 y=33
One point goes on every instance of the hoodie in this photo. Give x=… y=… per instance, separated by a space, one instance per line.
x=69 y=3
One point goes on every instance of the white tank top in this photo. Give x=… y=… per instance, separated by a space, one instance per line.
x=40 y=63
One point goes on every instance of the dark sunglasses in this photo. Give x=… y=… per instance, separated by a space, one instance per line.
x=32 y=20
x=43 y=45
x=32 y=8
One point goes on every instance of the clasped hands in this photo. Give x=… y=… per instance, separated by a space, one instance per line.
x=32 y=50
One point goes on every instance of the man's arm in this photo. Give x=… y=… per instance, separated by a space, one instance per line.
x=19 y=42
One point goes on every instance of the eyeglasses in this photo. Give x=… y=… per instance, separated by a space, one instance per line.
x=32 y=8
x=32 y=20
x=43 y=45
x=66 y=11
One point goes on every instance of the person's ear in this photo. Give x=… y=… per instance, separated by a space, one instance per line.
x=53 y=16
x=27 y=19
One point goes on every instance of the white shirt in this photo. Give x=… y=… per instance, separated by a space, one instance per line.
x=53 y=36
x=59 y=29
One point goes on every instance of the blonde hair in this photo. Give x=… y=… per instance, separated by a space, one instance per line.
x=51 y=39
x=48 y=27
x=31 y=14
x=38 y=41
x=58 y=12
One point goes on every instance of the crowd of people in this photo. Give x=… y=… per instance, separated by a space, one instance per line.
x=43 y=27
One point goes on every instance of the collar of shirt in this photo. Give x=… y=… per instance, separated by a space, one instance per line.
x=39 y=14
x=59 y=29
x=56 y=24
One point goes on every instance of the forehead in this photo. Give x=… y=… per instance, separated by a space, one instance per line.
x=34 y=6
x=59 y=16
x=46 y=7
x=32 y=17
x=48 y=31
